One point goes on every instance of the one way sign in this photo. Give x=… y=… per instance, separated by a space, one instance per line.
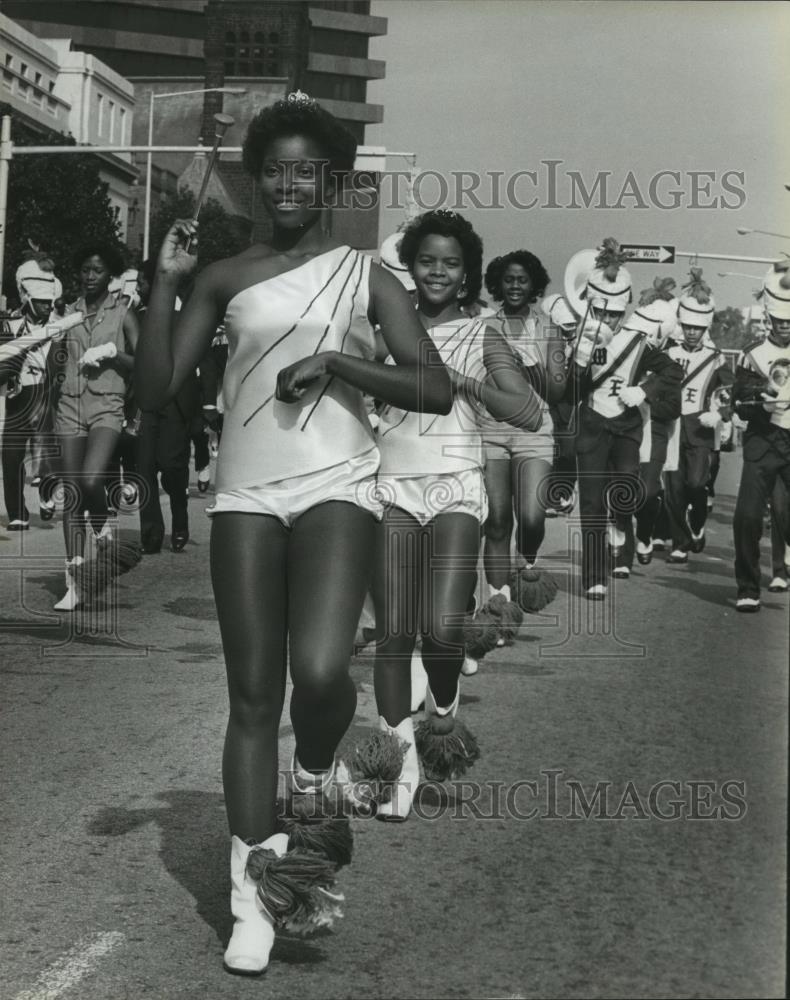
x=645 y=253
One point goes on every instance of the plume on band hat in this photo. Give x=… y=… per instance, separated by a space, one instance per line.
x=697 y=288
x=662 y=290
x=611 y=258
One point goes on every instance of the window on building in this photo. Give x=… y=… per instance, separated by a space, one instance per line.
x=111 y=122
x=9 y=60
x=230 y=68
x=121 y=126
x=260 y=37
x=274 y=38
x=38 y=79
x=23 y=69
x=51 y=86
x=52 y=107
x=244 y=36
x=230 y=37
x=100 y=114
x=8 y=80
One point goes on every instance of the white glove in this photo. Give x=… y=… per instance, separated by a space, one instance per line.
x=632 y=395
x=94 y=356
x=584 y=352
x=709 y=419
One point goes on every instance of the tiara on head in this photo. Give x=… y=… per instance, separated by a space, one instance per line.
x=301 y=100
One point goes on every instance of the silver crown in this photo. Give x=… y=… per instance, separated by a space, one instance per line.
x=300 y=99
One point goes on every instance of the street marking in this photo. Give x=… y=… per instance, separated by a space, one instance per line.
x=67 y=971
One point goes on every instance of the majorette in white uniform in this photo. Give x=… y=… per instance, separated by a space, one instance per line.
x=762 y=395
x=432 y=463
x=283 y=458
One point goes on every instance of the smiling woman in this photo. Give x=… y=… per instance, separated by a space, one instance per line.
x=293 y=522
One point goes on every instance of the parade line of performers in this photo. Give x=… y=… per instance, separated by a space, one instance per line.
x=379 y=428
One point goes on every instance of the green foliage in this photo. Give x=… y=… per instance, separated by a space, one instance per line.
x=57 y=202
x=728 y=330
x=221 y=235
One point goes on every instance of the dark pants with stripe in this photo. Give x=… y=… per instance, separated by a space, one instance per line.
x=688 y=486
x=163 y=448
x=766 y=459
x=608 y=465
x=24 y=417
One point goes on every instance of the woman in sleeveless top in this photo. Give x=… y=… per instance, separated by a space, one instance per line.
x=431 y=482
x=518 y=462
x=96 y=363
x=293 y=527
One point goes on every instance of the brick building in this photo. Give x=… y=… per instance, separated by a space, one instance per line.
x=267 y=47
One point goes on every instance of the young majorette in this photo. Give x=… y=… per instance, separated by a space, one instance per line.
x=761 y=394
x=293 y=526
x=518 y=461
x=431 y=482
x=28 y=391
x=89 y=412
x=609 y=364
x=705 y=371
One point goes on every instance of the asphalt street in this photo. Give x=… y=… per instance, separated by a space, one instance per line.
x=623 y=834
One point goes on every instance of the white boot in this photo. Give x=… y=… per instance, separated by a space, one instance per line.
x=431 y=708
x=248 y=950
x=504 y=590
x=399 y=806
x=71 y=599
x=419 y=681
x=334 y=785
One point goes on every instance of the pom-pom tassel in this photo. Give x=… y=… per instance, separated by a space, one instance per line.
x=508 y=616
x=297 y=890
x=95 y=576
x=446 y=747
x=312 y=825
x=534 y=589
x=480 y=634
x=377 y=764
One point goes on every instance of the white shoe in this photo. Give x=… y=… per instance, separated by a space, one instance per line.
x=621 y=572
x=71 y=599
x=104 y=537
x=471 y=666
x=419 y=681
x=431 y=708
x=399 y=806
x=18 y=524
x=678 y=556
x=504 y=590
x=251 y=942
x=778 y=585
x=334 y=785
x=616 y=537
x=129 y=494
x=595 y=593
x=748 y=604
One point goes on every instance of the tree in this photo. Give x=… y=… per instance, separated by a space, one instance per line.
x=57 y=202
x=728 y=330
x=221 y=234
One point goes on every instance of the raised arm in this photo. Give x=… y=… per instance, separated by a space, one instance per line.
x=417 y=381
x=502 y=388
x=172 y=343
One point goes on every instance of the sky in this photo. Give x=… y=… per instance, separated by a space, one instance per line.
x=615 y=93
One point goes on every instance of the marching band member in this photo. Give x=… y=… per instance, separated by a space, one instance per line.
x=517 y=461
x=761 y=394
x=609 y=364
x=655 y=316
x=27 y=391
x=293 y=526
x=431 y=482
x=705 y=371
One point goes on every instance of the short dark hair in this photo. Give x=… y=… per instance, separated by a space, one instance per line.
x=110 y=254
x=445 y=223
x=299 y=117
x=538 y=275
